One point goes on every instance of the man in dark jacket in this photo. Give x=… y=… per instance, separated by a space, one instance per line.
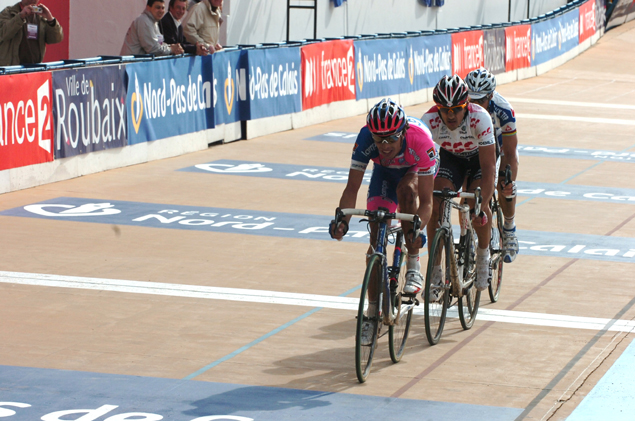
x=25 y=29
x=172 y=30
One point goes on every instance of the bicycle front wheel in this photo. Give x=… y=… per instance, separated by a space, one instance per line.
x=496 y=251
x=468 y=303
x=436 y=295
x=398 y=332
x=364 y=350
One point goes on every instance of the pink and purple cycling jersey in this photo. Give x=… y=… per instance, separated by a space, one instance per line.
x=417 y=154
x=474 y=131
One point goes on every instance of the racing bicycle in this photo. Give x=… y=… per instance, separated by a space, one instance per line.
x=496 y=243
x=394 y=307
x=454 y=264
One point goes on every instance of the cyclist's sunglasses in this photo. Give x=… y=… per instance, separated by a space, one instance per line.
x=454 y=109
x=480 y=100
x=387 y=139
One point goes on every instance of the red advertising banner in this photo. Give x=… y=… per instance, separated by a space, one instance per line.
x=26 y=125
x=467 y=52
x=328 y=72
x=587 y=20
x=518 y=47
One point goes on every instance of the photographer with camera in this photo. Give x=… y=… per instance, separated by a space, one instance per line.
x=25 y=29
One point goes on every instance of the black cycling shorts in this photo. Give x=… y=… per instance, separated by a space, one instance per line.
x=457 y=169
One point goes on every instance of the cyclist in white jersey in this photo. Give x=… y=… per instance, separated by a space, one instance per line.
x=465 y=134
x=481 y=85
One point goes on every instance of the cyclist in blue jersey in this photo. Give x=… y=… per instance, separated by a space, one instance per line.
x=482 y=91
x=404 y=163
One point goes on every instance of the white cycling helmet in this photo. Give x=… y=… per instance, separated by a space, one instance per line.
x=480 y=83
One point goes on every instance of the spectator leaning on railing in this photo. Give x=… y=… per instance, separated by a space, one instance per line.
x=172 y=29
x=202 y=24
x=25 y=29
x=144 y=37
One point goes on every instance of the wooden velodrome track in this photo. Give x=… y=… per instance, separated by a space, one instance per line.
x=70 y=343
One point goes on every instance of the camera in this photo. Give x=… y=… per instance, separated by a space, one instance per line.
x=36 y=9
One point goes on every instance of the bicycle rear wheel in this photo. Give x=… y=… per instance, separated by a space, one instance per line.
x=496 y=251
x=468 y=303
x=398 y=332
x=364 y=353
x=437 y=297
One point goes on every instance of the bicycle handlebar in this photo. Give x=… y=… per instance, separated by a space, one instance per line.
x=376 y=214
x=449 y=194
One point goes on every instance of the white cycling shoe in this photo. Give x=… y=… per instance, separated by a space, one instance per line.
x=510 y=245
x=414 y=282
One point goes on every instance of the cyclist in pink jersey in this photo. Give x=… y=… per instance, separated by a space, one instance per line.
x=404 y=163
x=468 y=154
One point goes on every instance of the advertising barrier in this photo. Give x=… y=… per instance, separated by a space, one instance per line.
x=623 y=12
x=381 y=67
x=274 y=81
x=26 y=127
x=169 y=98
x=467 y=52
x=587 y=20
x=518 y=47
x=569 y=30
x=430 y=58
x=89 y=110
x=230 y=86
x=554 y=37
x=328 y=72
x=494 y=50
x=545 y=41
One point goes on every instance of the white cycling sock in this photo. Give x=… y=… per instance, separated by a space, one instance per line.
x=509 y=223
x=413 y=262
x=482 y=253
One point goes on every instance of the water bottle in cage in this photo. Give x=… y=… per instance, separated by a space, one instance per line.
x=463 y=220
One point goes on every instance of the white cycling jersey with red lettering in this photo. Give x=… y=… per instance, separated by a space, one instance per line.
x=475 y=130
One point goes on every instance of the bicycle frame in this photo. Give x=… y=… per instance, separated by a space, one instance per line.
x=389 y=273
x=456 y=267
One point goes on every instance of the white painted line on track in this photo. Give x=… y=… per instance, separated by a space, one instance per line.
x=572 y=103
x=287 y=298
x=575 y=118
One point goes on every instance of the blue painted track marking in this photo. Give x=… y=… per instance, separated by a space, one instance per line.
x=310 y=227
x=340 y=175
x=613 y=397
x=524 y=150
x=47 y=391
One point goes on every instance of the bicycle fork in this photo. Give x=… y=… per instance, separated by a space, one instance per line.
x=456 y=265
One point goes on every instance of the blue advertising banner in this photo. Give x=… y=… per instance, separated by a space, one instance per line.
x=274 y=82
x=381 y=67
x=429 y=59
x=545 y=41
x=169 y=98
x=230 y=86
x=89 y=110
x=569 y=30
